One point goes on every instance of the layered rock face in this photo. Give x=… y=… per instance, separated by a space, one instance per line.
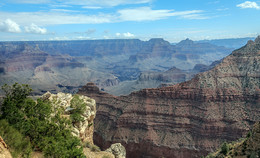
x=23 y=63
x=189 y=119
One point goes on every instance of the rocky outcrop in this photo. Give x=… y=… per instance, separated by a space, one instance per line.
x=189 y=119
x=173 y=76
x=82 y=129
x=118 y=150
x=4 y=152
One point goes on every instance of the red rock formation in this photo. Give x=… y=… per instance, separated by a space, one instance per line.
x=189 y=119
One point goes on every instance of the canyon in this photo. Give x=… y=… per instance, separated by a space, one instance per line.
x=116 y=66
x=189 y=119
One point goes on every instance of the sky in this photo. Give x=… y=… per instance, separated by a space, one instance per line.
x=173 y=20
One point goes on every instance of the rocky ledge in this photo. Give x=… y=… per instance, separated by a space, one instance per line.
x=66 y=104
x=4 y=151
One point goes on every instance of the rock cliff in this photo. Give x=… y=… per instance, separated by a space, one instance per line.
x=84 y=128
x=189 y=119
x=4 y=152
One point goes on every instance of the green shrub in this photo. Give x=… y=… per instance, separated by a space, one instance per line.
x=225 y=148
x=210 y=156
x=249 y=134
x=79 y=107
x=88 y=144
x=95 y=148
x=48 y=133
x=92 y=147
x=19 y=145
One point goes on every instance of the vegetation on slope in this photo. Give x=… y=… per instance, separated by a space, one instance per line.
x=79 y=107
x=20 y=145
x=47 y=131
x=248 y=147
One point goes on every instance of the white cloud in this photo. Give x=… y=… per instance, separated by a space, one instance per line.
x=35 y=29
x=55 y=18
x=92 y=3
x=147 y=14
x=128 y=35
x=194 y=16
x=125 y=35
x=91 y=7
x=248 y=4
x=82 y=38
x=59 y=38
x=9 y=26
x=60 y=6
x=63 y=10
x=31 y=1
x=222 y=9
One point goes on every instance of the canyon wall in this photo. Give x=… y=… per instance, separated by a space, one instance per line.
x=189 y=119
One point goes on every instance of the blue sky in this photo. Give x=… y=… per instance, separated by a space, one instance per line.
x=172 y=20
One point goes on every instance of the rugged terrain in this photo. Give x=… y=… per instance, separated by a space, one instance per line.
x=189 y=119
x=44 y=72
x=229 y=43
x=242 y=148
x=116 y=66
x=77 y=111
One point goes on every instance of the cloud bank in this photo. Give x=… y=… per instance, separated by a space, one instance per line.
x=35 y=29
x=10 y=26
x=133 y=14
x=248 y=4
x=147 y=14
x=125 y=35
x=92 y=3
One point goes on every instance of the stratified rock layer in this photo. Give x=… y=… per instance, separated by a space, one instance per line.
x=189 y=119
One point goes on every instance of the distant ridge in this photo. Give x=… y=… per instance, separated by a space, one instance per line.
x=229 y=42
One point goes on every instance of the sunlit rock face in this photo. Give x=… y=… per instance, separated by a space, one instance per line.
x=4 y=151
x=83 y=129
x=65 y=103
x=189 y=119
x=118 y=150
